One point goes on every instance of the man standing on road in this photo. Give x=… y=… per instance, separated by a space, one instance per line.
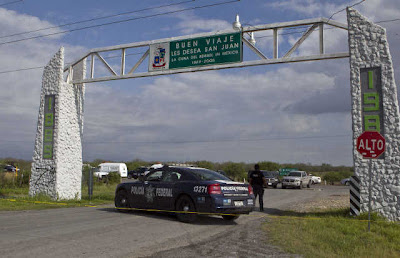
x=257 y=181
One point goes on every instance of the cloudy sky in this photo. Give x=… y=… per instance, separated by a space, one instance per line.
x=283 y=113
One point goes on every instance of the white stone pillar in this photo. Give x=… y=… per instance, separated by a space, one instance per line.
x=370 y=56
x=57 y=159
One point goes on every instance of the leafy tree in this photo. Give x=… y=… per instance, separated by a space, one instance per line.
x=137 y=163
x=269 y=165
x=237 y=171
x=206 y=164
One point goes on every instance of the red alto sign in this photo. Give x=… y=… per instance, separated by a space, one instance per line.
x=371 y=145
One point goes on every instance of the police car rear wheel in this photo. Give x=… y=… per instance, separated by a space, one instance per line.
x=230 y=217
x=121 y=200
x=185 y=204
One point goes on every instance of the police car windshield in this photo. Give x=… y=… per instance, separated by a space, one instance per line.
x=208 y=175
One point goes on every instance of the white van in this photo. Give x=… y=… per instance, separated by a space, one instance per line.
x=104 y=168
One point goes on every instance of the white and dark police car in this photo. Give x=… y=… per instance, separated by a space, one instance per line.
x=188 y=190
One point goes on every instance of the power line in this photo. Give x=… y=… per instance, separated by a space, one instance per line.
x=97 y=18
x=345 y=9
x=39 y=67
x=13 y=2
x=120 y=21
x=331 y=28
x=206 y=141
x=260 y=37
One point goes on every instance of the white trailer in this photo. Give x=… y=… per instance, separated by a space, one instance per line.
x=104 y=168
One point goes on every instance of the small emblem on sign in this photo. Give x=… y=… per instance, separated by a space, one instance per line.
x=159 y=57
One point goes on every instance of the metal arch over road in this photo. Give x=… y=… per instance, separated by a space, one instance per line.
x=264 y=60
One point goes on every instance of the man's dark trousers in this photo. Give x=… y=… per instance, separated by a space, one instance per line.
x=259 y=191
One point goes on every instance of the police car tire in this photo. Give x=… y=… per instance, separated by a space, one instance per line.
x=180 y=206
x=119 y=203
x=230 y=217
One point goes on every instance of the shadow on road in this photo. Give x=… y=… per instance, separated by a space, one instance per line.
x=201 y=219
x=345 y=212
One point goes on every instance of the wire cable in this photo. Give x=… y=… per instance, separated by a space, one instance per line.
x=260 y=37
x=120 y=21
x=204 y=141
x=97 y=18
x=40 y=67
x=345 y=9
x=13 y=2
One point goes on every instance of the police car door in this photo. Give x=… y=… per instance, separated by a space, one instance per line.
x=167 y=189
x=151 y=183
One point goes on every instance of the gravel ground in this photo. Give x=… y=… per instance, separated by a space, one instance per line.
x=248 y=240
x=245 y=240
x=331 y=202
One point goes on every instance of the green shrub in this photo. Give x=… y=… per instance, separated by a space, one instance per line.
x=236 y=171
x=113 y=177
x=11 y=179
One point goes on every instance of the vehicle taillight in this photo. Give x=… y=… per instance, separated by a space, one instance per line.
x=214 y=189
x=250 y=190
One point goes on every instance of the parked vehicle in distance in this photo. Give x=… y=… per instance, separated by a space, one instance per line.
x=315 y=179
x=135 y=174
x=10 y=168
x=271 y=177
x=297 y=179
x=104 y=168
x=186 y=189
x=345 y=181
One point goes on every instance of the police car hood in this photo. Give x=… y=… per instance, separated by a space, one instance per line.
x=232 y=187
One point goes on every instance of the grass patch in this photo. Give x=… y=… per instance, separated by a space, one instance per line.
x=18 y=199
x=334 y=233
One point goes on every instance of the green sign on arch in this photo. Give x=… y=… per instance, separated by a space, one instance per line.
x=193 y=52
x=206 y=51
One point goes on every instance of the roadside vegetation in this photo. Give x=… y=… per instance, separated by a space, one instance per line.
x=334 y=233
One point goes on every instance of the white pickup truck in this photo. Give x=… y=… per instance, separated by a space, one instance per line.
x=297 y=179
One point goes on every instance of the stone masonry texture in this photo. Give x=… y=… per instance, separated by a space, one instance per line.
x=369 y=48
x=60 y=178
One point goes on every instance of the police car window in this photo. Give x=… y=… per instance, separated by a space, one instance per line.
x=208 y=175
x=155 y=176
x=172 y=176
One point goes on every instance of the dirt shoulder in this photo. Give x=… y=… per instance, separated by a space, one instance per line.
x=248 y=239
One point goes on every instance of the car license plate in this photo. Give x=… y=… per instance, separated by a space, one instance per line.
x=238 y=203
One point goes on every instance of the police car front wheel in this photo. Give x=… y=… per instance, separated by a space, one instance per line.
x=121 y=200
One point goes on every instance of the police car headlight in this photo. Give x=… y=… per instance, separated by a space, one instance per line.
x=250 y=202
x=227 y=201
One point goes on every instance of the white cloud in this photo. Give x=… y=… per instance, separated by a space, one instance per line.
x=12 y=22
x=192 y=25
x=21 y=90
x=284 y=102
x=307 y=7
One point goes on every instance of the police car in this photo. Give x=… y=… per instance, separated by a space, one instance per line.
x=189 y=190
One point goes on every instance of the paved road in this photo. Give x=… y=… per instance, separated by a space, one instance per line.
x=103 y=232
